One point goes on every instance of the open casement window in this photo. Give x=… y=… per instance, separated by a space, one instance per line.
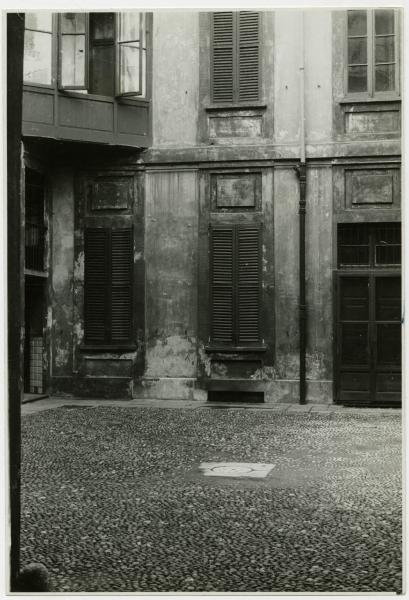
x=372 y=49
x=103 y=53
x=38 y=48
x=235 y=57
x=108 y=286
x=235 y=285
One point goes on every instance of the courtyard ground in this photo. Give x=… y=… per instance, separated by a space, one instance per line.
x=113 y=499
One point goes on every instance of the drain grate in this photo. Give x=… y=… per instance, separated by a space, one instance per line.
x=234 y=469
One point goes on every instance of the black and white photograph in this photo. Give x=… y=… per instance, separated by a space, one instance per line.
x=204 y=299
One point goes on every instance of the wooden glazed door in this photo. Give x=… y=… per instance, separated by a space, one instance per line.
x=368 y=344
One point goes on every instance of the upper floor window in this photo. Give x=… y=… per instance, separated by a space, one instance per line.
x=235 y=56
x=38 y=48
x=372 y=52
x=99 y=53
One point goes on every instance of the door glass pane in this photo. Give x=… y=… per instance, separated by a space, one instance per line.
x=73 y=23
x=357 y=79
x=72 y=60
x=102 y=26
x=388 y=344
x=384 y=78
x=102 y=70
x=37 y=57
x=354 y=298
x=354 y=344
x=385 y=49
x=357 y=51
x=388 y=298
x=356 y=22
x=384 y=21
x=41 y=21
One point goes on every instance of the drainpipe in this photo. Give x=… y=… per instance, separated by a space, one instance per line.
x=302 y=176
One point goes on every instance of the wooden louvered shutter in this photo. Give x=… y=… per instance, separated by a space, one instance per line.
x=222 y=285
x=248 y=284
x=223 y=57
x=108 y=285
x=95 y=285
x=121 y=284
x=248 y=59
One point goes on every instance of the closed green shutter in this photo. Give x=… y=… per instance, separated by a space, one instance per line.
x=108 y=285
x=248 y=56
x=121 y=284
x=235 y=288
x=95 y=285
x=235 y=56
x=248 y=284
x=222 y=279
x=223 y=48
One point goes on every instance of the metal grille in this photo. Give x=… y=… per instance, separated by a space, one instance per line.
x=353 y=244
x=388 y=244
x=34 y=229
x=36 y=365
x=369 y=244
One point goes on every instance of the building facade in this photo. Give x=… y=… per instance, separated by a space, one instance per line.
x=167 y=158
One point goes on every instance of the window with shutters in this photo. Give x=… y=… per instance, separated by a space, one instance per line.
x=235 y=284
x=235 y=57
x=372 y=53
x=108 y=286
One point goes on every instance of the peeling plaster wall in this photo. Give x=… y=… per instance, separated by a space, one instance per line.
x=286 y=198
x=318 y=74
x=176 y=80
x=62 y=253
x=319 y=273
x=171 y=274
x=287 y=33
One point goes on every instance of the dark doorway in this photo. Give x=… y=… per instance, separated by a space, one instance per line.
x=34 y=344
x=368 y=329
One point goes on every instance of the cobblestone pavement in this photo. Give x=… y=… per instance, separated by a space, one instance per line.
x=113 y=499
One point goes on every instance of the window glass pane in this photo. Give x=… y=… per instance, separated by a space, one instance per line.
x=384 y=78
x=385 y=49
x=384 y=21
x=129 y=72
x=39 y=20
x=73 y=22
x=37 y=57
x=102 y=70
x=357 y=79
x=357 y=51
x=102 y=26
x=73 y=60
x=130 y=24
x=357 y=22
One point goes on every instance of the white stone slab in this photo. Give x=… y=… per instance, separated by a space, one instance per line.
x=233 y=469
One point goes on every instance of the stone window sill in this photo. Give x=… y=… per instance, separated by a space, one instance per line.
x=107 y=347
x=362 y=100
x=236 y=106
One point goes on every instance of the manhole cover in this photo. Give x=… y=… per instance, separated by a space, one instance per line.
x=227 y=469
